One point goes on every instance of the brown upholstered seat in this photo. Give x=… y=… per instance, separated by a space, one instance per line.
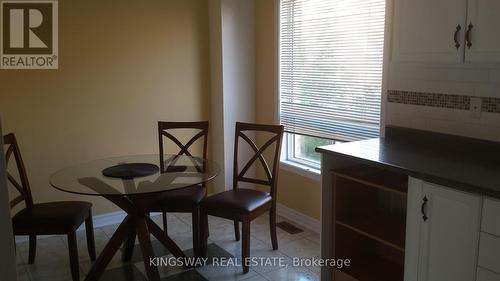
x=47 y=218
x=184 y=199
x=241 y=201
x=51 y=217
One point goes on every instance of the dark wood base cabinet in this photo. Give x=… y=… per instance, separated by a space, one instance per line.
x=413 y=206
x=370 y=223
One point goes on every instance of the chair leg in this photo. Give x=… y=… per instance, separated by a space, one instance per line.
x=164 y=215
x=32 y=249
x=272 y=228
x=236 y=230
x=245 y=245
x=205 y=226
x=196 y=231
x=73 y=256
x=89 y=229
x=203 y=232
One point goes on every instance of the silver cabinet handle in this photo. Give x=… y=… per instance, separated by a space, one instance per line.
x=467 y=35
x=423 y=208
x=455 y=36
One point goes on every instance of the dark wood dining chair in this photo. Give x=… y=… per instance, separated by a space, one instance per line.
x=54 y=218
x=185 y=200
x=242 y=204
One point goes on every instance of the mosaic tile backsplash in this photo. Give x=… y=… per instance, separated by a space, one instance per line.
x=491 y=105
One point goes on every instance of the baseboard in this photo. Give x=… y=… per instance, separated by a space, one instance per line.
x=292 y=215
x=110 y=218
x=282 y=210
x=107 y=219
x=298 y=218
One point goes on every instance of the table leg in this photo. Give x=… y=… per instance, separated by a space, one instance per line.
x=109 y=251
x=157 y=232
x=128 y=247
x=137 y=223
x=147 y=250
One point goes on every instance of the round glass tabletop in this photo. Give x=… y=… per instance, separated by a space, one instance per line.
x=175 y=173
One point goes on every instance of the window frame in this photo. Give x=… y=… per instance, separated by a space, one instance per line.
x=290 y=149
x=314 y=172
x=309 y=171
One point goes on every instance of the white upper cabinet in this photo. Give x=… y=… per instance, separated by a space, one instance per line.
x=443 y=30
x=442 y=233
x=424 y=30
x=483 y=23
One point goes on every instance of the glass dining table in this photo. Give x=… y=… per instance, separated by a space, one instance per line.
x=133 y=183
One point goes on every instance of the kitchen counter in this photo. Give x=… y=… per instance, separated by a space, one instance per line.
x=374 y=193
x=463 y=163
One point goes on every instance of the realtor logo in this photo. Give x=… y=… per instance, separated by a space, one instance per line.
x=29 y=35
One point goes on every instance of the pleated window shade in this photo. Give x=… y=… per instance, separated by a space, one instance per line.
x=331 y=54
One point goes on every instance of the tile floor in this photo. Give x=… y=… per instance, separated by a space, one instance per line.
x=52 y=263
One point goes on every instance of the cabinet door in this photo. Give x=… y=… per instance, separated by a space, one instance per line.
x=413 y=225
x=449 y=237
x=484 y=36
x=424 y=30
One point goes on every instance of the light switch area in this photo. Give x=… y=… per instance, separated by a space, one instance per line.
x=475 y=107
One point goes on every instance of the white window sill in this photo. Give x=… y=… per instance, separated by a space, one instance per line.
x=301 y=170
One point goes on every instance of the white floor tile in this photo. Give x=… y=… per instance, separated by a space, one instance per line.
x=52 y=262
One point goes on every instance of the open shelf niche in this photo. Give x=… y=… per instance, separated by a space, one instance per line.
x=370 y=223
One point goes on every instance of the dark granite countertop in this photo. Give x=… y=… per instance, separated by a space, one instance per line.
x=463 y=163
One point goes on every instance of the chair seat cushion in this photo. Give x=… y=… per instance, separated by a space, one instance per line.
x=180 y=200
x=239 y=201
x=51 y=218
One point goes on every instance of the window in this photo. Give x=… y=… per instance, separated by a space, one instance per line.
x=330 y=57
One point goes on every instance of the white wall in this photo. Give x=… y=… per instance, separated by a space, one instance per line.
x=232 y=42
x=216 y=130
x=238 y=44
x=8 y=256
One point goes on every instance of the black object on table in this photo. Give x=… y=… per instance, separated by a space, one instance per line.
x=130 y=170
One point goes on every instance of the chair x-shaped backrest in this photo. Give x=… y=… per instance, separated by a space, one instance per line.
x=165 y=127
x=276 y=139
x=22 y=187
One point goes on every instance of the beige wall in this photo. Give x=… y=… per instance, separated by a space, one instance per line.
x=134 y=63
x=123 y=66
x=297 y=192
